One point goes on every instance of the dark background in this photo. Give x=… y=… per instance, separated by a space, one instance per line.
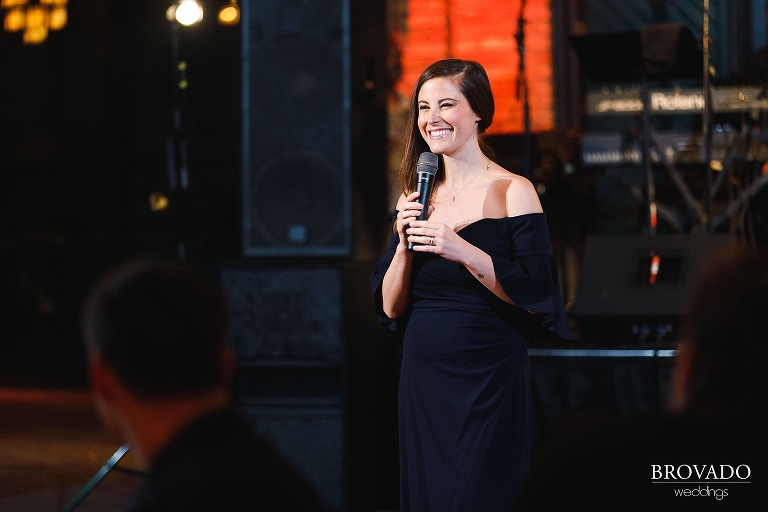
x=86 y=120
x=87 y=117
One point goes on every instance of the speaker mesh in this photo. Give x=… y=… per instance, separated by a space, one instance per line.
x=296 y=134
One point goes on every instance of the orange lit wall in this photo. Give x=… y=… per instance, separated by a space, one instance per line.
x=484 y=30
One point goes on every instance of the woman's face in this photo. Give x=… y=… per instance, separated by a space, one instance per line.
x=446 y=121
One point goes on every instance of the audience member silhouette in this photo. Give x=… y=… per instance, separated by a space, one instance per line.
x=704 y=451
x=161 y=373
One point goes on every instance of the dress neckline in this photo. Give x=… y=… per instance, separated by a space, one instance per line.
x=490 y=219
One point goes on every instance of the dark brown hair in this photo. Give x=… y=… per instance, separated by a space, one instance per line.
x=474 y=85
x=160 y=327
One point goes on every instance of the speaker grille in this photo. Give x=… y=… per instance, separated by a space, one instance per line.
x=297 y=202
x=296 y=136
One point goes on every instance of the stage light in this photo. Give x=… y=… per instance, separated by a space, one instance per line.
x=229 y=14
x=14 y=20
x=34 y=18
x=57 y=17
x=158 y=202
x=185 y=12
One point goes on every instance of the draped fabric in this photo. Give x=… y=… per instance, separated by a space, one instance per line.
x=464 y=407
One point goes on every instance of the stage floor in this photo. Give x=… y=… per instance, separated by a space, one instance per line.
x=51 y=445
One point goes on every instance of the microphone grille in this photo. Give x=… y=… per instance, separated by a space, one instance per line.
x=427 y=163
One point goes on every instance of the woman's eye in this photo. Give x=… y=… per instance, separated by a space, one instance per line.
x=423 y=107
x=446 y=105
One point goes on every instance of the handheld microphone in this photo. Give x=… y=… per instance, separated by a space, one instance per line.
x=426 y=169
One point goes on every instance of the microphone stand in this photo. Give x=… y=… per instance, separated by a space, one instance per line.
x=178 y=172
x=522 y=90
x=110 y=464
x=706 y=116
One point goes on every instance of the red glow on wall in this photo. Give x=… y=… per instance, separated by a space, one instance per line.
x=484 y=30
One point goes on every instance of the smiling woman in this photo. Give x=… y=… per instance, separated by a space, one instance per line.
x=479 y=283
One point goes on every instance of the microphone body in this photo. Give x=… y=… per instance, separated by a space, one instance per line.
x=426 y=169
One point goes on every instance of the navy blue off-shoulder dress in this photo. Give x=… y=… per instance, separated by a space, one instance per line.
x=464 y=398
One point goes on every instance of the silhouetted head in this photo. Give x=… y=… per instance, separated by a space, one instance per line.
x=160 y=326
x=718 y=371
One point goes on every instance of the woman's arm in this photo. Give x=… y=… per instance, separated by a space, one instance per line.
x=521 y=199
x=395 y=288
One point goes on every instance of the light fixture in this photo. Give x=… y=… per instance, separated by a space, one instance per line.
x=229 y=14
x=35 y=18
x=158 y=202
x=185 y=12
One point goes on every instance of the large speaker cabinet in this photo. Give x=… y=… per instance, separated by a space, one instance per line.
x=288 y=335
x=634 y=287
x=296 y=128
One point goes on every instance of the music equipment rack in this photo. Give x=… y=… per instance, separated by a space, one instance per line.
x=632 y=81
x=618 y=101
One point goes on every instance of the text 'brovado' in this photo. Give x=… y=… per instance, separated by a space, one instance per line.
x=687 y=472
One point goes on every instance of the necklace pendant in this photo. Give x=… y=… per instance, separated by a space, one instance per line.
x=453 y=199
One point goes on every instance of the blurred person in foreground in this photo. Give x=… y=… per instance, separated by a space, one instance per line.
x=161 y=372
x=705 y=449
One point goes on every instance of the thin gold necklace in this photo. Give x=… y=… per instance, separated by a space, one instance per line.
x=453 y=196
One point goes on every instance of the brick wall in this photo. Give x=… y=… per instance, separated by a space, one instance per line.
x=484 y=30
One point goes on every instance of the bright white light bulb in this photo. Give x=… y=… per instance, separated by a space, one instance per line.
x=189 y=12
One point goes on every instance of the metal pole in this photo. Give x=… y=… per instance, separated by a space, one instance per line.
x=705 y=118
x=93 y=482
x=649 y=191
x=522 y=93
x=177 y=144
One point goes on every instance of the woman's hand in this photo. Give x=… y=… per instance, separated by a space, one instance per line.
x=441 y=239
x=437 y=238
x=409 y=210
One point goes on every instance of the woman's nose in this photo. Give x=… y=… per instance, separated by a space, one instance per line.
x=434 y=116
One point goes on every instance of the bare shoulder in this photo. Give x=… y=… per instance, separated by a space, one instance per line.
x=519 y=194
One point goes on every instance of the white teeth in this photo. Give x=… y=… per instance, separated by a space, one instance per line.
x=439 y=133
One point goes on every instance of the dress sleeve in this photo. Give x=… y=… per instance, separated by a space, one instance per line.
x=377 y=277
x=529 y=276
